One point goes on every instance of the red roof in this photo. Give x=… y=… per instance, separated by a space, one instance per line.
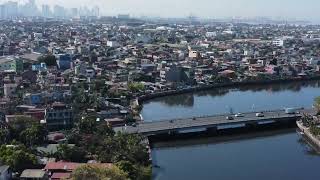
x=67 y=166
x=60 y=175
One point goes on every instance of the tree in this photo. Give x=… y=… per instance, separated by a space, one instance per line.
x=69 y=153
x=87 y=125
x=34 y=135
x=123 y=147
x=17 y=157
x=135 y=171
x=95 y=172
x=4 y=135
x=136 y=87
x=20 y=124
x=50 y=60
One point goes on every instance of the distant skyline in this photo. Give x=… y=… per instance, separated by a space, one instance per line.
x=286 y=9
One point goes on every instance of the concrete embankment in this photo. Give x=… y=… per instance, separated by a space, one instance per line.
x=308 y=134
x=146 y=97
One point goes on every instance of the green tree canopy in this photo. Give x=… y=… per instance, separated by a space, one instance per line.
x=17 y=157
x=136 y=87
x=4 y=135
x=123 y=147
x=94 y=172
x=87 y=125
x=28 y=131
x=36 y=134
x=71 y=153
x=50 y=60
x=135 y=171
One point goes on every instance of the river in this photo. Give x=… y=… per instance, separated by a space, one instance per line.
x=271 y=155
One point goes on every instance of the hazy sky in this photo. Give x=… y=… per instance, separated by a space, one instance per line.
x=300 y=9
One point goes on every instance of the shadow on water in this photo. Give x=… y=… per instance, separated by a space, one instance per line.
x=220 y=139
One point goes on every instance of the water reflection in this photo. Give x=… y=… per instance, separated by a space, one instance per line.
x=264 y=155
x=187 y=100
x=280 y=156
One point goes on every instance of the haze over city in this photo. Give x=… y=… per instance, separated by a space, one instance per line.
x=284 y=9
x=159 y=89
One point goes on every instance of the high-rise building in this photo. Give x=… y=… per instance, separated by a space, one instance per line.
x=46 y=12
x=3 y=11
x=123 y=16
x=29 y=9
x=96 y=11
x=74 y=12
x=84 y=11
x=12 y=9
x=59 y=11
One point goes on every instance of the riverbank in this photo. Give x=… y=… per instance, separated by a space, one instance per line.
x=306 y=131
x=146 y=97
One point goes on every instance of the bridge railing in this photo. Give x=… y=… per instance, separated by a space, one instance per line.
x=218 y=115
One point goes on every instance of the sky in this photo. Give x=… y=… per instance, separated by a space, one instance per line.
x=287 y=9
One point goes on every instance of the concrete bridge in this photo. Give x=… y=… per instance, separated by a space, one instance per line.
x=212 y=123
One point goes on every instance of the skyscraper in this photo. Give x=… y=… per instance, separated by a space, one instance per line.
x=12 y=9
x=96 y=11
x=3 y=11
x=29 y=9
x=74 y=12
x=46 y=12
x=59 y=11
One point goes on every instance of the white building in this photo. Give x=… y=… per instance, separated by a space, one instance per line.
x=113 y=44
x=211 y=34
x=314 y=61
x=37 y=36
x=9 y=90
x=278 y=42
x=194 y=54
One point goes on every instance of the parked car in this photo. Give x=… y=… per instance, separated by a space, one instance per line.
x=290 y=110
x=259 y=114
x=239 y=115
x=229 y=118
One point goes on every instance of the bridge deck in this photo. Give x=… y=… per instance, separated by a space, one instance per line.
x=207 y=122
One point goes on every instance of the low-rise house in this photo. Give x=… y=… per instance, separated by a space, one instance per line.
x=113 y=122
x=33 y=99
x=11 y=64
x=34 y=174
x=59 y=116
x=109 y=113
x=9 y=90
x=38 y=114
x=29 y=76
x=11 y=118
x=63 y=170
x=39 y=67
x=60 y=170
x=64 y=61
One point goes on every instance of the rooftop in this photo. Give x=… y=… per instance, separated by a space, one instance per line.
x=33 y=173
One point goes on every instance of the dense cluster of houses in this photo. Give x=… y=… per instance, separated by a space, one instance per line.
x=41 y=62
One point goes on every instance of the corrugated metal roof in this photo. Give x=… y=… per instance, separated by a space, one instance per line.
x=33 y=173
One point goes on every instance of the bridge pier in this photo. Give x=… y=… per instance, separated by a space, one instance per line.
x=251 y=125
x=287 y=122
x=212 y=130
x=172 y=132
